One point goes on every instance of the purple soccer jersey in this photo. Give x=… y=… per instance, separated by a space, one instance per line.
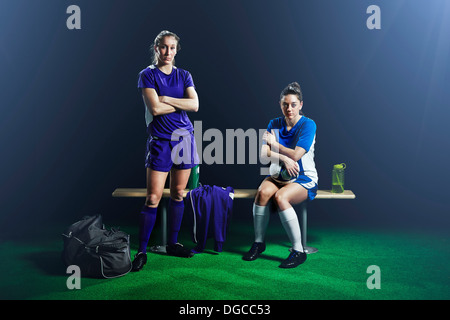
x=211 y=208
x=172 y=85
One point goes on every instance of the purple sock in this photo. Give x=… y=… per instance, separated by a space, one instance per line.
x=147 y=220
x=175 y=215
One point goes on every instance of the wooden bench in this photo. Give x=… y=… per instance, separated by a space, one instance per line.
x=238 y=194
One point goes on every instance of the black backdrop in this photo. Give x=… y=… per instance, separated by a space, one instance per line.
x=72 y=120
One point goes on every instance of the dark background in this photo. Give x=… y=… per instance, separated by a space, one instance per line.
x=72 y=123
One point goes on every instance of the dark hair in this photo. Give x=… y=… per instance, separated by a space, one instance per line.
x=158 y=40
x=292 y=88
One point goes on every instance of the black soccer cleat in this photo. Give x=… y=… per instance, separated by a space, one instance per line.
x=178 y=250
x=294 y=259
x=254 y=252
x=140 y=259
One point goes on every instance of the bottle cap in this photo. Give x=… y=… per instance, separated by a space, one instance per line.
x=340 y=166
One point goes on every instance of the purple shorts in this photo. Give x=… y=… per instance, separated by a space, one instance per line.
x=163 y=154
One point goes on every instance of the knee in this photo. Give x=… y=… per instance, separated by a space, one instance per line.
x=280 y=199
x=263 y=196
x=177 y=194
x=152 y=200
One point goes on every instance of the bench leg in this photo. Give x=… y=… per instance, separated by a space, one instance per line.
x=304 y=227
x=162 y=248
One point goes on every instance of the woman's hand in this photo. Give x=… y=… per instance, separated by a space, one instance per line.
x=291 y=166
x=269 y=138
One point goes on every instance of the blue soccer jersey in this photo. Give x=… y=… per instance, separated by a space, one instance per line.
x=172 y=85
x=302 y=134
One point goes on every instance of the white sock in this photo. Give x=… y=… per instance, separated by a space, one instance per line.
x=289 y=220
x=261 y=215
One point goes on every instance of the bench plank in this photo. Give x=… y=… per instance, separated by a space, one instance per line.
x=238 y=193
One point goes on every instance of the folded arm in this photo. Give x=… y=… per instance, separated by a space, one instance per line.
x=189 y=103
x=293 y=154
x=153 y=103
x=275 y=152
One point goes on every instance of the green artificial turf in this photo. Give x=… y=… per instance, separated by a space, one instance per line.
x=412 y=266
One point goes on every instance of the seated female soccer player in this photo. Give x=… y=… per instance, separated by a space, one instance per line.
x=168 y=94
x=288 y=140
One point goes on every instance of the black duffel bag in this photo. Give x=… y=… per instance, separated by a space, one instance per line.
x=98 y=252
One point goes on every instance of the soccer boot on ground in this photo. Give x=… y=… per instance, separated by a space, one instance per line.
x=294 y=259
x=254 y=252
x=140 y=259
x=178 y=250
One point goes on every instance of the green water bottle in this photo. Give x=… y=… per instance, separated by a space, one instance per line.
x=193 y=181
x=337 y=178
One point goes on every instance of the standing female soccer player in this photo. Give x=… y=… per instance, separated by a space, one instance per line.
x=168 y=94
x=290 y=140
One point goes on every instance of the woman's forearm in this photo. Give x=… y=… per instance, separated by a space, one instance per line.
x=291 y=153
x=161 y=108
x=186 y=104
x=294 y=154
x=154 y=105
x=268 y=154
x=277 y=151
x=274 y=157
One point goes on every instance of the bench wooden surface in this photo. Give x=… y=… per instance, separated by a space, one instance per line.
x=238 y=193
